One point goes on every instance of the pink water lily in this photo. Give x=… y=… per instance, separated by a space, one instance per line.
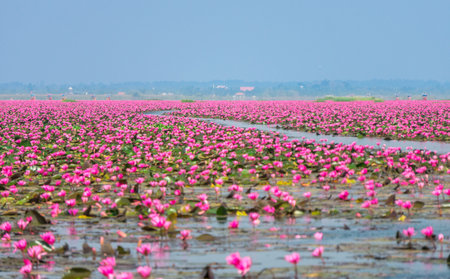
x=106 y=270
x=6 y=226
x=318 y=235
x=144 y=271
x=293 y=258
x=111 y=261
x=427 y=232
x=243 y=265
x=124 y=275
x=22 y=224
x=254 y=218
x=409 y=232
x=343 y=195
x=318 y=253
x=26 y=268
x=185 y=235
x=20 y=245
x=48 y=237
x=233 y=224
x=36 y=252
x=144 y=249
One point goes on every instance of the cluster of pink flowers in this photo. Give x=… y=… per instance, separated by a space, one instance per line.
x=88 y=158
x=242 y=265
x=414 y=120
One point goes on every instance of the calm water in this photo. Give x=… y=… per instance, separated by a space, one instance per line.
x=365 y=249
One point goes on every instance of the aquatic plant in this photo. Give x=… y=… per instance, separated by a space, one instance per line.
x=105 y=169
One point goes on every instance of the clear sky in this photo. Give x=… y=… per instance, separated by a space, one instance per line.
x=192 y=40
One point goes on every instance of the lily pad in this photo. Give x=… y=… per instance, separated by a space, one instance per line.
x=77 y=273
x=390 y=200
x=38 y=217
x=316 y=213
x=122 y=251
x=123 y=201
x=206 y=237
x=150 y=228
x=418 y=205
x=222 y=211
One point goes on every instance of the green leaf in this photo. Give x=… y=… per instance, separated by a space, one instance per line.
x=315 y=213
x=298 y=213
x=168 y=179
x=61 y=250
x=171 y=211
x=359 y=200
x=77 y=273
x=123 y=201
x=352 y=166
x=206 y=237
x=418 y=205
x=150 y=228
x=25 y=143
x=334 y=212
x=113 y=212
x=122 y=251
x=222 y=211
x=38 y=219
x=22 y=201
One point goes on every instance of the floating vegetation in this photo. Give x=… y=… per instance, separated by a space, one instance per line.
x=100 y=190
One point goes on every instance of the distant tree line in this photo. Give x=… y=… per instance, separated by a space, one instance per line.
x=227 y=89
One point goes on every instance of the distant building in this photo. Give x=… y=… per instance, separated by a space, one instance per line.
x=222 y=87
x=424 y=96
x=247 y=88
x=121 y=93
x=239 y=96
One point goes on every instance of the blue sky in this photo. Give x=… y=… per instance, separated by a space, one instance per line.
x=255 y=40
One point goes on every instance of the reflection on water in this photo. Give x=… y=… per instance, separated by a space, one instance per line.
x=362 y=248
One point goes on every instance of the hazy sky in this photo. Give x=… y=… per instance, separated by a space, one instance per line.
x=277 y=40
